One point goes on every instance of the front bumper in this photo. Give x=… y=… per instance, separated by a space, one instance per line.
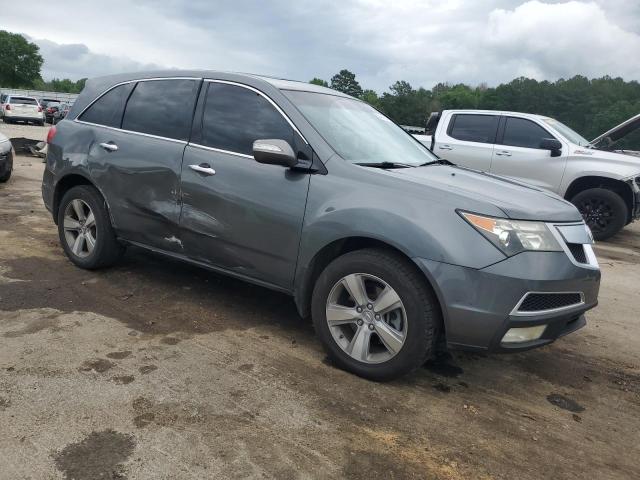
x=479 y=305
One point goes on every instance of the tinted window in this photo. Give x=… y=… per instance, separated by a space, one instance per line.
x=23 y=101
x=519 y=132
x=474 y=128
x=107 y=110
x=161 y=107
x=234 y=117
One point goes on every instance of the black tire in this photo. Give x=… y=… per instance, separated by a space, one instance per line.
x=421 y=306
x=5 y=174
x=603 y=210
x=107 y=250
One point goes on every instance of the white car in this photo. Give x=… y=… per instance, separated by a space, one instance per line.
x=17 y=108
x=602 y=182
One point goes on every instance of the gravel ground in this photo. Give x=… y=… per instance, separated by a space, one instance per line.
x=156 y=369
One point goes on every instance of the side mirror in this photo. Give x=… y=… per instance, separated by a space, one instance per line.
x=553 y=145
x=274 y=152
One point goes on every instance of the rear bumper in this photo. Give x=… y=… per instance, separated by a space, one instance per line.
x=479 y=305
x=25 y=118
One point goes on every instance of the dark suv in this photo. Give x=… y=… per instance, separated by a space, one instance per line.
x=308 y=191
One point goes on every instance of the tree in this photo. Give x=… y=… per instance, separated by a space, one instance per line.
x=345 y=82
x=319 y=81
x=371 y=97
x=20 y=61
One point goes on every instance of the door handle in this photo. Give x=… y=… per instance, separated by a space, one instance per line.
x=203 y=168
x=503 y=153
x=109 y=147
x=446 y=147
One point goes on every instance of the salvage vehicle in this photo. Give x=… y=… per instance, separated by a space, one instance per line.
x=17 y=108
x=603 y=183
x=307 y=191
x=6 y=158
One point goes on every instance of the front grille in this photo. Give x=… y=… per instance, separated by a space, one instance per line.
x=536 y=302
x=577 y=250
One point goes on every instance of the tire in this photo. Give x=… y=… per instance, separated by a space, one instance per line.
x=603 y=210
x=4 y=177
x=419 y=311
x=106 y=249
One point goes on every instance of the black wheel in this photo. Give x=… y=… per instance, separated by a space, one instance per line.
x=85 y=229
x=375 y=315
x=5 y=172
x=603 y=210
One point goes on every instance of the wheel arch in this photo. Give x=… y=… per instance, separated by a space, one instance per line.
x=336 y=248
x=65 y=184
x=595 y=181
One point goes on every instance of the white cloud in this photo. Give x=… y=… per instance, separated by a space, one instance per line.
x=423 y=42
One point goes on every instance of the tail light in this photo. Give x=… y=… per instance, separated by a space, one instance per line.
x=39 y=108
x=7 y=107
x=51 y=134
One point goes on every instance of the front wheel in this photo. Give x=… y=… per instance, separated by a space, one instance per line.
x=374 y=314
x=603 y=210
x=85 y=230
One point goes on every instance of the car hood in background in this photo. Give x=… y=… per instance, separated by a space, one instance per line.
x=619 y=131
x=515 y=199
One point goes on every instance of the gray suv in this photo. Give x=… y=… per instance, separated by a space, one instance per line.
x=307 y=191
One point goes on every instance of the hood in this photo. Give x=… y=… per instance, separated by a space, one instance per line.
x=615 y=134
x=517 y=200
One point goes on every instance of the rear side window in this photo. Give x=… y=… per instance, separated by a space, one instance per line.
x=107 y=110
x=234 y=117
x=520 y=132
x=474 y=128
x=23 y=101
x=161 y=107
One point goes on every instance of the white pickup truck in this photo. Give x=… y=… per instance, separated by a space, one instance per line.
x=603 y=183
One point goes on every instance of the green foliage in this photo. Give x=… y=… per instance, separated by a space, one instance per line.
x=319 y=81
x=345 y=82
x=20 y=61
x=590 y=107
x=60 y=85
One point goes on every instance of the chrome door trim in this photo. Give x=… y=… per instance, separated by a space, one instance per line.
x=126 y=82
x=262 y=94
x=121 y=130
x=219 y=150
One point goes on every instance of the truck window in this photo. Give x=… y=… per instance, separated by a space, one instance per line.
x=520 y=132
x=161 y=107
x=107 y=110
x=474 y=128
x=234 y=117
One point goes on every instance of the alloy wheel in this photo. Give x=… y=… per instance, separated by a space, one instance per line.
x=80 y=228
x=367 y=318
x=597 y=213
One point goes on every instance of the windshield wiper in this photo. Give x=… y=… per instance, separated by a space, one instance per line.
x=386 y=165
x=440 y=161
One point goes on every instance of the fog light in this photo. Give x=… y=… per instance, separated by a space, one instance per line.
x=525 y=334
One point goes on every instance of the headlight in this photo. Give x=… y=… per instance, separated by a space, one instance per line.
x=514 y=236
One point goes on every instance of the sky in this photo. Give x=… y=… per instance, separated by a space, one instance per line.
x=381 y=41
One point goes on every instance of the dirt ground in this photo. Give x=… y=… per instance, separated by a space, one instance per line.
x=156 y=369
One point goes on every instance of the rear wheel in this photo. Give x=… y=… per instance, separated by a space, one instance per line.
x=603 y=210
x=85 y=230
x=374 y=314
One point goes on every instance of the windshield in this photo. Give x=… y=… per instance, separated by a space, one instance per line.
x=566 y=132
x=357 y=131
